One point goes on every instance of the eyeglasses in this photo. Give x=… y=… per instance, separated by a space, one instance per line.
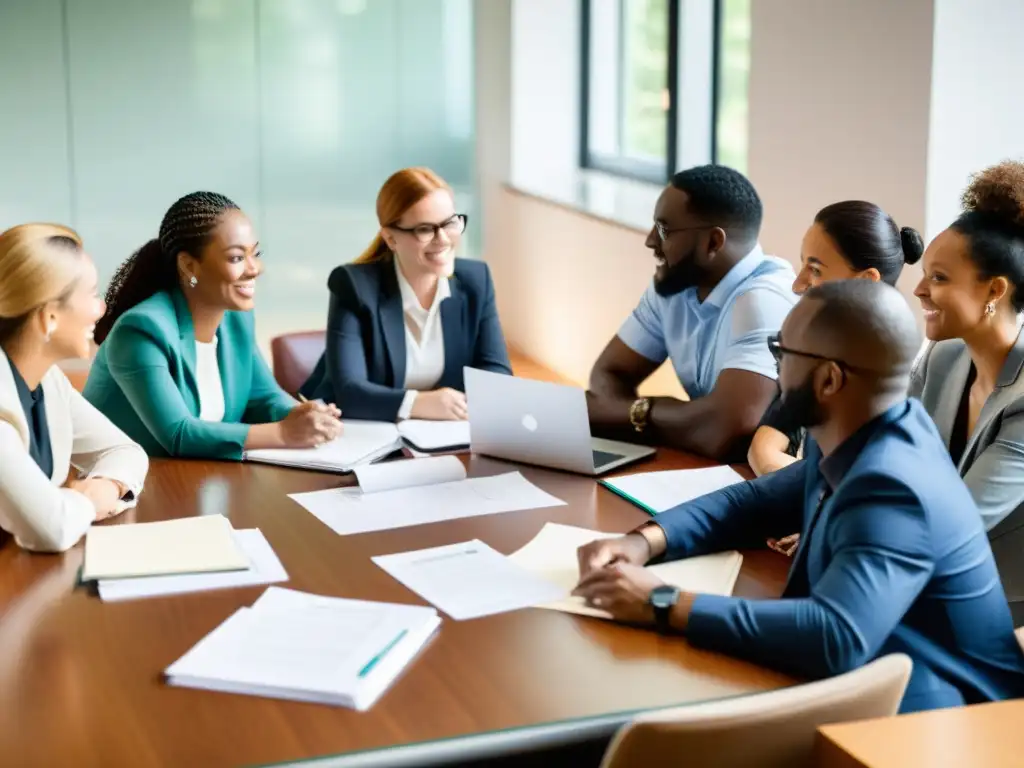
x=456 y=225
x=664 y=232
x=778 y=351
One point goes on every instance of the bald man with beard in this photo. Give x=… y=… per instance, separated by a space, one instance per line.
x=893 y=555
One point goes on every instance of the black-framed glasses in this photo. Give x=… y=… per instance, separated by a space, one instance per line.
x=456 y=225
x=779 y=351
x=664 y=232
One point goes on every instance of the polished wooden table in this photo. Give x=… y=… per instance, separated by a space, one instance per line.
x=80 y=681
x=988 y=735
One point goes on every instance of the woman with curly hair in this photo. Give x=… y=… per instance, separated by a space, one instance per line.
x=971 y=377
x=178 y=368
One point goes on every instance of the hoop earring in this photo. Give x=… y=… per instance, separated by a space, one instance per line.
x=192 y=282
x=990 y=308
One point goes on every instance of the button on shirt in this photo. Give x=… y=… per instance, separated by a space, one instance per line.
x=729 y=329
x=34 y=406
x=424 y=341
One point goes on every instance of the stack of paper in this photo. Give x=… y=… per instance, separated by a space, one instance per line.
x=351 y=510
x=362 y=442
x=551 y=555
x=188 y=545
x=660 y=491
x=264 y=568
x=469 y=580
x=293 y=645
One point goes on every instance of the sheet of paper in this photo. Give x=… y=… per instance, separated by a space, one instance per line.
x=410 y=473
x=468 y=580
x=187 y=545
x=660 y=491
x=551 y=554
x=264 y=568
x=360 y=443
x=426 y=436
x=349 y=510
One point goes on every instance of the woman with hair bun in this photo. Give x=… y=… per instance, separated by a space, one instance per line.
x=851 y=239
x=63 y=465
x=971 y=377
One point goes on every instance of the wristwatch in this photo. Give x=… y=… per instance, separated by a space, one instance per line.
x=638 y=413
x=663 y=599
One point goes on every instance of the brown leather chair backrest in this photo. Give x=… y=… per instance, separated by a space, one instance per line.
x=294 y=356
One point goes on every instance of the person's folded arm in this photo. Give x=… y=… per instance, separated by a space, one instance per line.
x=740 y=516
x=768 y=451
x=632 y=355
x=139 y=365
x=39 y=515
x=354 y=393
x=881 y=559
x=101 y=450
x=268 y=403
x=996 y=476
x=491 y=352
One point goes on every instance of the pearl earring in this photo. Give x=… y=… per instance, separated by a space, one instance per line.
x=990 y=308
x=192 y=282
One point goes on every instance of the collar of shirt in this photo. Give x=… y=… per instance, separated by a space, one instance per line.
x=835 y=466
x=411 y=305
x=740 y=271
x=28 y=397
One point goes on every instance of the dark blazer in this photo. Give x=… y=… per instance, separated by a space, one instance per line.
x=893 y=558
x=363 y=368
x=144 y=380
x=992 y=463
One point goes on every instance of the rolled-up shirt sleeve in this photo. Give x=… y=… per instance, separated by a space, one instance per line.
x=643 y=331
x=756 y=315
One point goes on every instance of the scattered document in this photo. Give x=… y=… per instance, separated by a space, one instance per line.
x=410 y=473
x=362 y=442
x=348 y=510
x=264 y=568
x=551 y=555
x=434 y=436
x=187 y=545
x=468 y=580
x=659 y=491
x=293 y=645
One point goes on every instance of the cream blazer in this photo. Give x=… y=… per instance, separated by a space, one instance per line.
x=34 y=508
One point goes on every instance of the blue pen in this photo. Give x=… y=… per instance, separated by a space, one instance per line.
x=383 y=652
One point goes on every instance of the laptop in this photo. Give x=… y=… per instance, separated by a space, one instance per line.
x=536 y=422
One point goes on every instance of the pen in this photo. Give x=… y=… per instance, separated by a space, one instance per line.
x=368 y=667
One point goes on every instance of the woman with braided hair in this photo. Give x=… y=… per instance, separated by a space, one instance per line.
x=178 y=368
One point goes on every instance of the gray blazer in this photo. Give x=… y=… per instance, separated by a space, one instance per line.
x=993 y=461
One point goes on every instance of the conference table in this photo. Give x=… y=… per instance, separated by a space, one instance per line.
x=81 y=681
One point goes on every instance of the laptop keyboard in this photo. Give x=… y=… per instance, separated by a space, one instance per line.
x=603 y=457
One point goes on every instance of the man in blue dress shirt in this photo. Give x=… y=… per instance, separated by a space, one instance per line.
x=714 y=300
x=893 y=556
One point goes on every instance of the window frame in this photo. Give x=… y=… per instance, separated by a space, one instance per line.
x=636 y=169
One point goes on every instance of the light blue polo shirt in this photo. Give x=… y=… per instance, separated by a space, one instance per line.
x=729 y=329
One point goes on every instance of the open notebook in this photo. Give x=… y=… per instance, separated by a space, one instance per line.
x=364 y=442
x=551 y=554
x=294 y=645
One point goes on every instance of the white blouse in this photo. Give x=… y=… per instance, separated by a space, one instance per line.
x=36 y=509
x=211 y=391
x=424 y=341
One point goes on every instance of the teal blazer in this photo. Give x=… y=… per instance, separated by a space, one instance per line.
x=144 y=380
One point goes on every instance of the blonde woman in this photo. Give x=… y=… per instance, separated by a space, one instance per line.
x=63 y=465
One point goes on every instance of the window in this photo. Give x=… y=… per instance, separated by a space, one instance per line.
x=644 y=64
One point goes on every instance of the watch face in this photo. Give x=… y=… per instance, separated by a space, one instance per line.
x=664 y=596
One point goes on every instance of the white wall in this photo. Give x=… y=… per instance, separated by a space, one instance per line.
x=977 y=106
x=839 y=110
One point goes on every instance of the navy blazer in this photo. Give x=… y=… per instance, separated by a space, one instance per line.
x=892 y=558
x=363 y=369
